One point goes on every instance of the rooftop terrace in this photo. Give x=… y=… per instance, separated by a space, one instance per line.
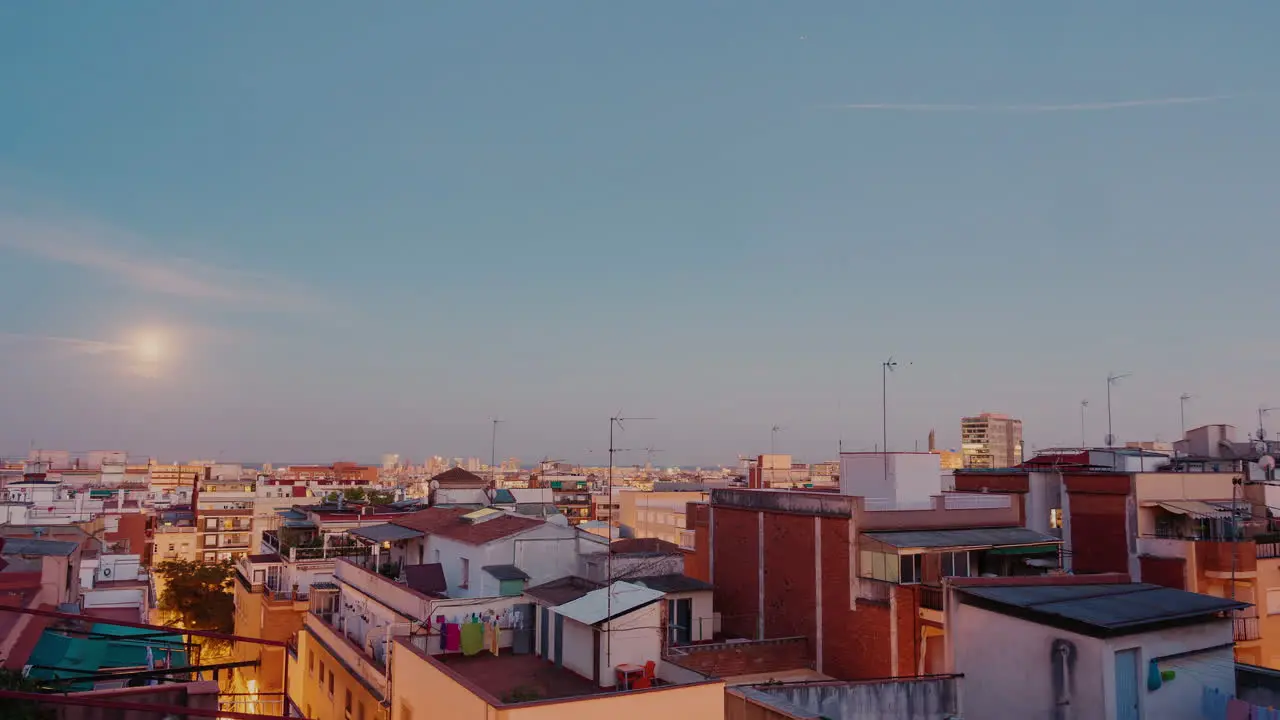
x=518 y=678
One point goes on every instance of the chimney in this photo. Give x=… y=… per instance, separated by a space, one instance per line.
x=933 y=438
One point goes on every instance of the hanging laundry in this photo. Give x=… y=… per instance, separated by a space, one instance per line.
x=472 y=638
x=494 y=640
x=487 y=636
x=452 y=637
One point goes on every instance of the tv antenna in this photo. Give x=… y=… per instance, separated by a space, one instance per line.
x=1112 y=379
x=618 y=421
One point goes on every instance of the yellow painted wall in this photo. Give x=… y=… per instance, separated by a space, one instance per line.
x=421 y=691
x=1268 y=579
x=1184 y=486
x=315 y=699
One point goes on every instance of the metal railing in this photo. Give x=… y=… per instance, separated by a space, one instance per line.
x=1268 y=550
x=1246 y=629
x=931 y=597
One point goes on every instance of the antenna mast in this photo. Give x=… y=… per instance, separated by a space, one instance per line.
x=615 y=421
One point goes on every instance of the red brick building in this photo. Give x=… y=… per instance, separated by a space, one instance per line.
x=861 y=585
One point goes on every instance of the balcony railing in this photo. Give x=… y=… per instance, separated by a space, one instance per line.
x=1246 y=628
x=931 y=598
x=874 y=590
x=1268 y=550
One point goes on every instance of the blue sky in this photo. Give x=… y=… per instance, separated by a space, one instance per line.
x=362 y=228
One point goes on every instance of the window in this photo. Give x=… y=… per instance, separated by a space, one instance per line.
x=322 y=672
x=879 y=566
x=330 y=683
x=466 y=573
x=347 y=705
x=909 y=568
x=955 y=564
x=311 y=662
x=170 y=547
x=1273 y=601
x=1055 y=518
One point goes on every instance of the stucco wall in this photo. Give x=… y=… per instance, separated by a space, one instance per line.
x=923 y=699
x=1018 y=671
x=634 y=638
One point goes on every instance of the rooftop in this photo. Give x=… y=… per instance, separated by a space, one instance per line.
x=628 y=546
x=450 y=523
x=506 y=572
x=671 y=583
x=31 y=546
x=518 y=678
x=603 y=605
x=1098 y=610
x=562 y=590
x=963 y=538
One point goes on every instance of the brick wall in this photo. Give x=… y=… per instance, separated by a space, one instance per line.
x=907 y=599
x=697 y=563
x=736 y=580
x=731 y=659
x=1168 y=572
x=790 y=600
x=1099 y=537
x=855 y=644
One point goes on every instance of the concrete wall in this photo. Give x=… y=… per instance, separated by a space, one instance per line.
x=634 y=638
x=579 y=649
x=1018 y=671
x=922 y=699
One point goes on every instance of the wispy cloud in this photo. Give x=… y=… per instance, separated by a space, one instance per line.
x=1042 y=108
x=79 y=346
x=121 y=257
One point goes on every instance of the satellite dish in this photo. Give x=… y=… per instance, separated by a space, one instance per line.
x=1267 y=463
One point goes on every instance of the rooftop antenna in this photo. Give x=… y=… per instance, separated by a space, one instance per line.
x=1182 y=409
x=773 y=438
x=618 y=421
x=1084 y=439
x=1262 y=414
x=886 y=367
x=1112 y=379
x=493 y=451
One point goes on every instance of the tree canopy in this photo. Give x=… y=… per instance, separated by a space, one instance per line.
x=199 y=595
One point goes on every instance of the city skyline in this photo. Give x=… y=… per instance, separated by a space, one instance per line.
x=258 y=234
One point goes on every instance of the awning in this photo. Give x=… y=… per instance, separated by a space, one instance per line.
x=965 y=538
x=1023 y=550
x=385 y=533
x=1195 y=509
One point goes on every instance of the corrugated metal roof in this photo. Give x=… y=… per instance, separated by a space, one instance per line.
x=600 y=605
x=962 y=538
x=1115 y=609
x=562 y=590
x=385 y=533
x=32 y=546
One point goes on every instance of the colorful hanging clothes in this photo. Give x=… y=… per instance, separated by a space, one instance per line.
x=472 y=638
x=493 y=642
x=488 y=635
x=452 y=637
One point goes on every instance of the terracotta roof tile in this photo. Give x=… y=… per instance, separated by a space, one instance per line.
x=448 y=522
x=459 y=478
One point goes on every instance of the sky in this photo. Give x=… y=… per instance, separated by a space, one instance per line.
x=314 y=231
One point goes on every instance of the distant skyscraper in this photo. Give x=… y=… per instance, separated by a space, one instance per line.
x=990 y=440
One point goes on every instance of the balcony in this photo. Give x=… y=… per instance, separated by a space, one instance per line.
x=931 y=598
x=1246 y=629
x=1267 y=550
x=876 y=591
x=334 y=639
x=1223 y=559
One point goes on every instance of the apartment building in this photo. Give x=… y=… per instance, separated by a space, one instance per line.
x=571 y=495
x=990 y=440
x=1187 y=527
x=339 y=473
x=659 y=514
x=223 y=511
x=860 y=581
x=359 y=657
x=165 y=477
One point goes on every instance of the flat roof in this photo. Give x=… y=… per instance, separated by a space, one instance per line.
x=385 y=533
x=32 y=546
x=519 y=678
x=672 y=583
x=562 y=590
x=963 y=538
x=1098 y=610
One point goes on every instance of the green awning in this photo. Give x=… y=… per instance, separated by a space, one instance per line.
x=1024 y=550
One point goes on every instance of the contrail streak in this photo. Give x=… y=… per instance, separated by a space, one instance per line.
x=1069 y=107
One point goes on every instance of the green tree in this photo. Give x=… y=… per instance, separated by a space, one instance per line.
x=354 y=494
x=21 y=709
x=379 y=497
x=199 y=595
